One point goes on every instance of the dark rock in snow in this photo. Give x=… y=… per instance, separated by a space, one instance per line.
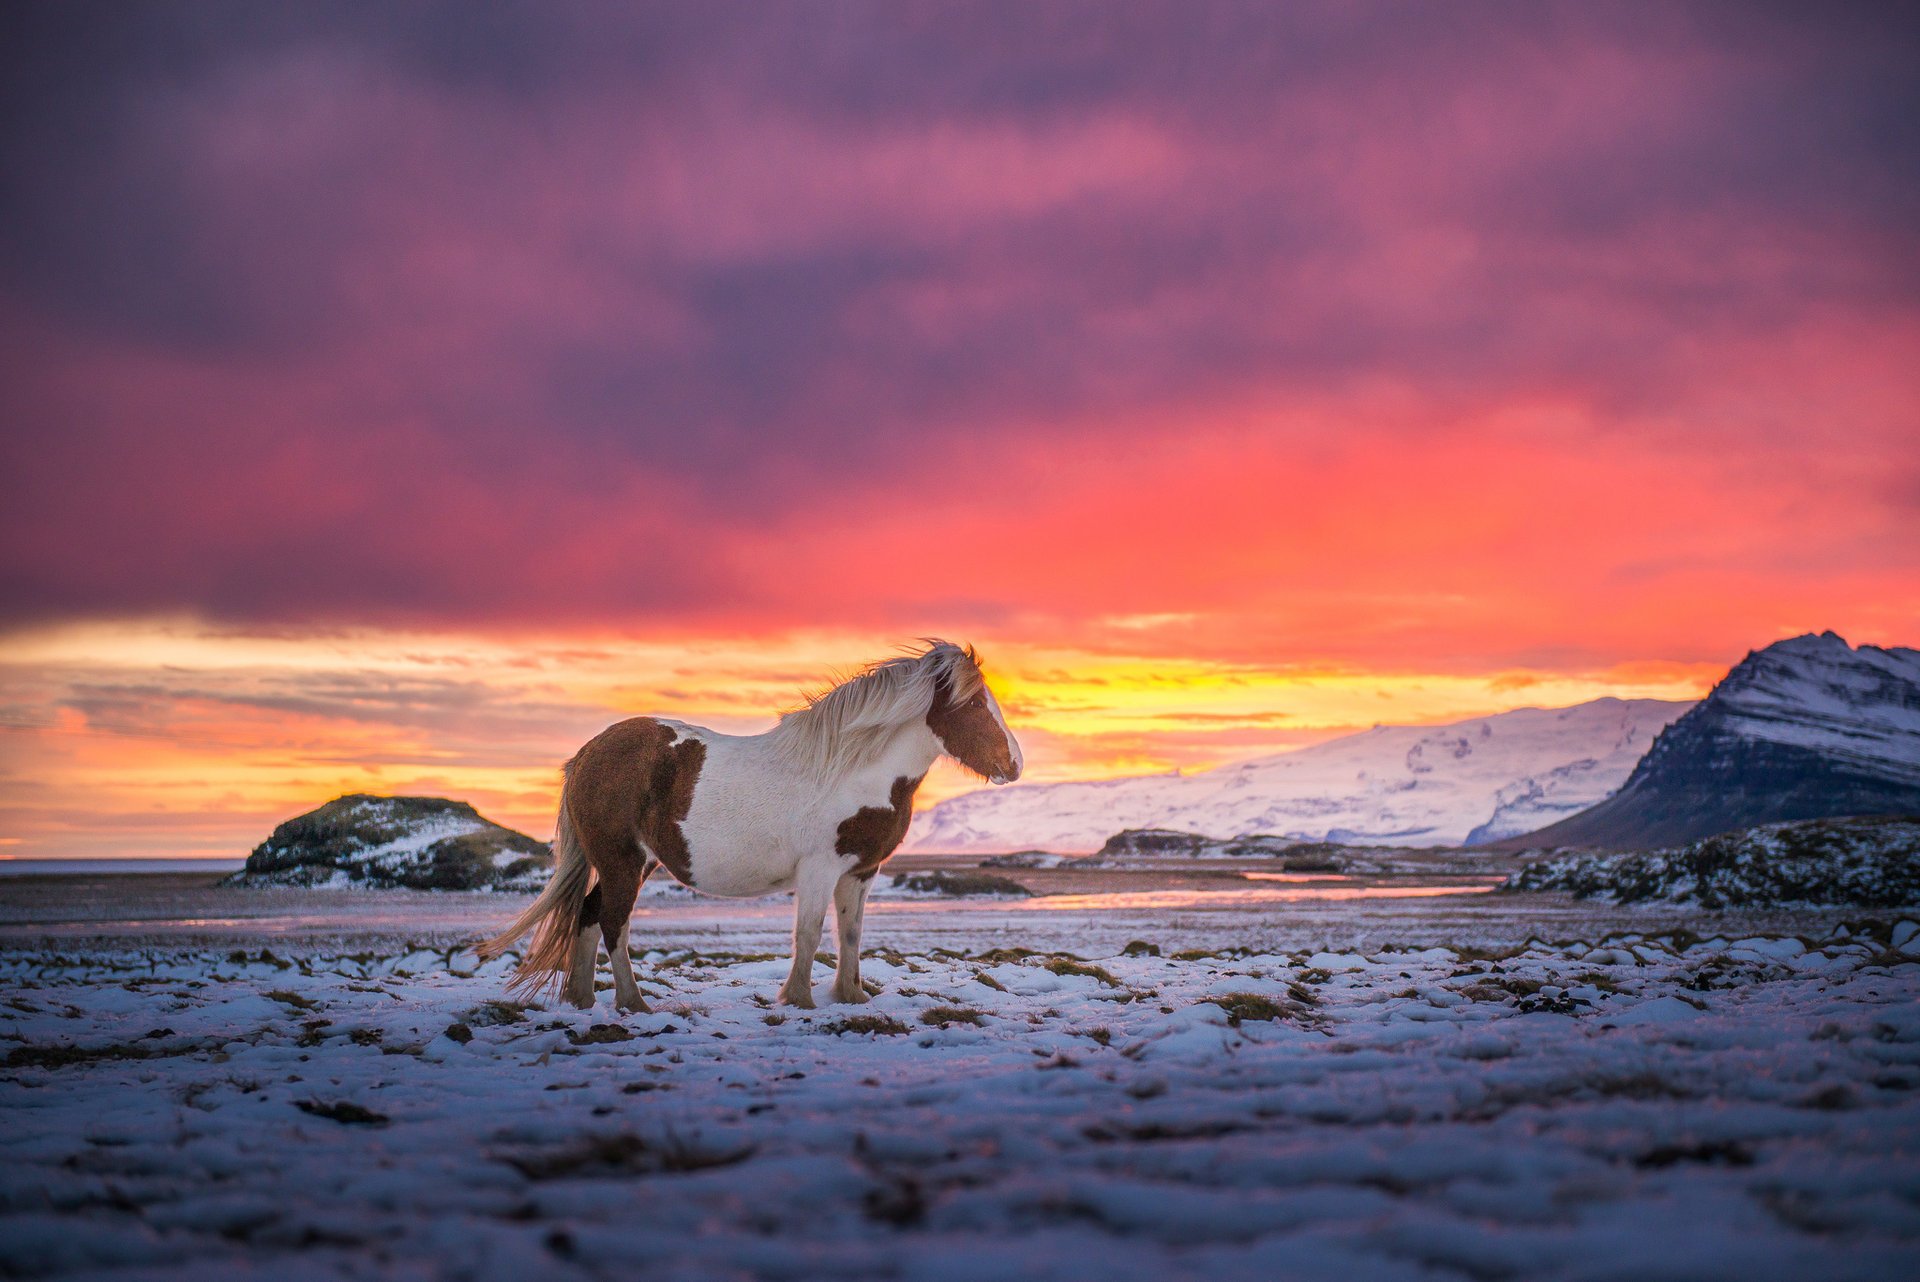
x=416 y=843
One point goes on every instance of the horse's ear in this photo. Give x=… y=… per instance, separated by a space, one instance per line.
x=942 y=686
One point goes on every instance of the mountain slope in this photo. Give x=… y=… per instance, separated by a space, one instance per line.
x=1809 y=728
x=420 y=843
x=1473 y=781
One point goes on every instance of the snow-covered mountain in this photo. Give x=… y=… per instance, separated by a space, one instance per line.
x=1808 y=728
x=1469 y=782
x=421 y=843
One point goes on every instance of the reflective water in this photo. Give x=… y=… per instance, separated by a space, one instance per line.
x=1135 y=899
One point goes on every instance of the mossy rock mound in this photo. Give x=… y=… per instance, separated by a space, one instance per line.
x=412 y=843
x=1867 y=862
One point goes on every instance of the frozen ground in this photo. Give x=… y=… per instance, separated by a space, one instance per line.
x=1350 y=1089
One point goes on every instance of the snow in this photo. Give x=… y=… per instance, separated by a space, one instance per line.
x=1471 y=781
x=1861 y=704
x=1429 y=1100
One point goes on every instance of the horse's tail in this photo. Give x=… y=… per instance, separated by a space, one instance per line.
x=556 y=913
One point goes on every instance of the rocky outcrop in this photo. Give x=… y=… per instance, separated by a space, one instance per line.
x=1139 y=845
x=1870 y=863
x=415 y=843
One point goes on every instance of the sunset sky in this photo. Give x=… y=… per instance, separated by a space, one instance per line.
x=391 y=395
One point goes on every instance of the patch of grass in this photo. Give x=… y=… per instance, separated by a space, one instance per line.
x=611 y=1156
x=694 y=957
x=941 y=1016
x=1710 y=1152
x=900 y=1201
x=292 y=999
x=459 y=1033
x=991 y=982
x=1149 y=1132
x=773 y=1018
x=598 y=1035
x=341 y=1111
x=490 y=1014
x=1241 y=1007
x=1469 y=952
x=1195 y=954
x=1835 y=1098
x=1499 y=988
x=1104 y=1036
x=1070 y=966
x=68 y=1056
x=366 y=1036
x=885 y=1025
x=995 y=956
x=1140 y=948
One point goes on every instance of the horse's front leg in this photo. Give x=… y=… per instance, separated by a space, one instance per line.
x=850 y=904
x=811 y=891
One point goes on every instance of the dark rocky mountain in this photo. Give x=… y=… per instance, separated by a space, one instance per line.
x=1809 y=728
x=416 y=843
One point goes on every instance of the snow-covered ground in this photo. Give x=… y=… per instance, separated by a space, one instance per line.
x=1473 y=781
x=1371 y=1090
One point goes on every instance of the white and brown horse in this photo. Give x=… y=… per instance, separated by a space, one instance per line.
x=814 y=805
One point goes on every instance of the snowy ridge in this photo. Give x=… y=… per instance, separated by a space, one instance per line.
x=1818 y=692
x=1469 y=782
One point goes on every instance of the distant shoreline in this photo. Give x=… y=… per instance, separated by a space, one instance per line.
x=86 y=867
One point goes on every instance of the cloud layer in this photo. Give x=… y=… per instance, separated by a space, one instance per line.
x=1496 y=333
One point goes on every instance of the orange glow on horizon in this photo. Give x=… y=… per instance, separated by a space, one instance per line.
x=181 y=739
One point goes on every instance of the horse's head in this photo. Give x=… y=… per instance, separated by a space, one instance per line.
x=966 y=719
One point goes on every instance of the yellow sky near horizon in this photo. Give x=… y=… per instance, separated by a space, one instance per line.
x=178 y=738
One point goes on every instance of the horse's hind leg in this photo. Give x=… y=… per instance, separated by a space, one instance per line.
x=586 y=944
x=622 y=888
x=850 y=903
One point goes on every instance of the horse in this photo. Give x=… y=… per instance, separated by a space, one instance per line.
x=815 y=805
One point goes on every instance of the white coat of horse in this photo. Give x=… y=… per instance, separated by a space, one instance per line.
x=814 y=805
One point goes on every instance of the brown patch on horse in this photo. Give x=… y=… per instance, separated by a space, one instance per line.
x=633 y=784
x=874 y=832
x=969 y=733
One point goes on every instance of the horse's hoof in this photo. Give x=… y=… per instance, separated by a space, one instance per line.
x=851 y=997
x=638 y=1006
x=801 y=1000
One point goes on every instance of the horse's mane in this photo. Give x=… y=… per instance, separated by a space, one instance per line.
x=845 y=725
